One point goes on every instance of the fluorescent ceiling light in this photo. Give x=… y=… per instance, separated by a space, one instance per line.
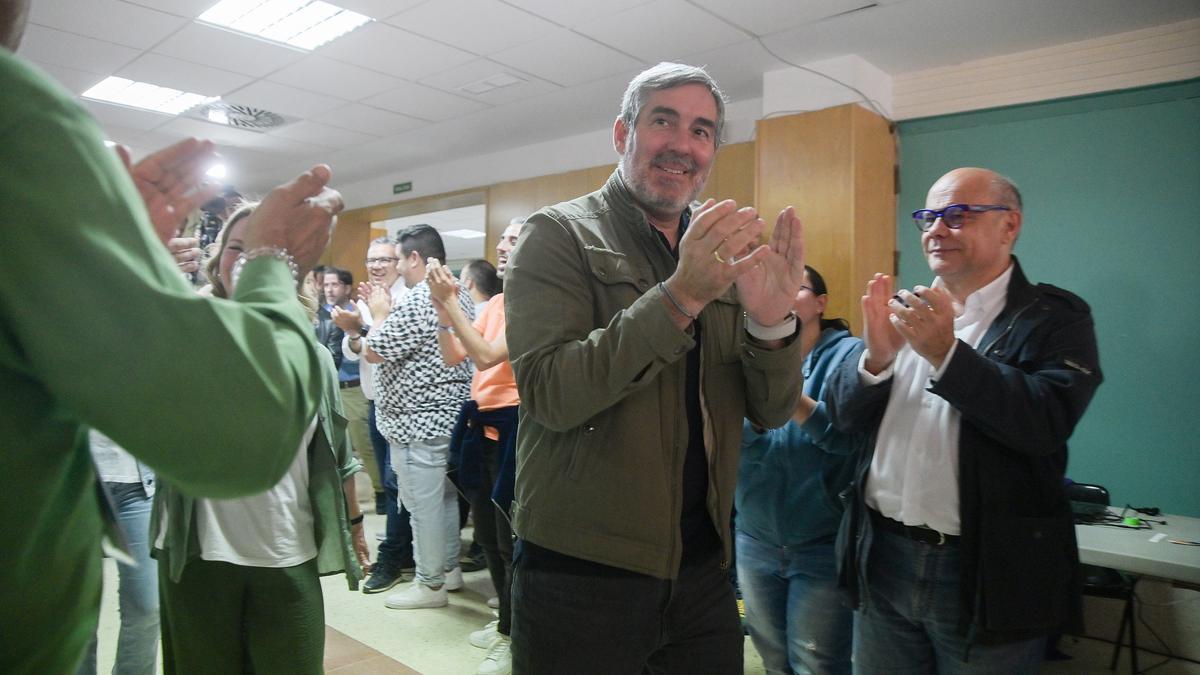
x=145 y=96
x=464 y=234
x=217 y=171
x=306 y=24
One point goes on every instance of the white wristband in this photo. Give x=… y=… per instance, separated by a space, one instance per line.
x=779 y=331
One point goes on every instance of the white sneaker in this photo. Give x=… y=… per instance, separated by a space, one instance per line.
x=499 y=658
x=417 y=596
x=486 y=636
x=494 y=602
x=454 y=580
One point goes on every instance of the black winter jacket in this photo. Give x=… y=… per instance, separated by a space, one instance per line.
x=1020 y=395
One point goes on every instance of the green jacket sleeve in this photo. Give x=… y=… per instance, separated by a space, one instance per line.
x=213 y=394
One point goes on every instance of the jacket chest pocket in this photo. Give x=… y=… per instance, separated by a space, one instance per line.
x=613 y=272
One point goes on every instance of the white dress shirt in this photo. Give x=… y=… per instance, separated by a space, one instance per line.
x=366 y=369
x=914 y=474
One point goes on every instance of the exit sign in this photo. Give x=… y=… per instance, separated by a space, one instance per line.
x=402 y=187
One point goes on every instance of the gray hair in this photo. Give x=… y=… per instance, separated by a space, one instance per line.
x=382 y=240
x=1006 y=191
x=668 y=75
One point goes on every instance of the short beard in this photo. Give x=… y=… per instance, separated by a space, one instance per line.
x=644 y=195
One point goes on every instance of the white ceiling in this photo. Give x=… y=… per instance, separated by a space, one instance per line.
x=388 y=96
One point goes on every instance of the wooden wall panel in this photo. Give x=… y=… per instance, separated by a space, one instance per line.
x=520 y=198
x=732 y=174
x=835 y=166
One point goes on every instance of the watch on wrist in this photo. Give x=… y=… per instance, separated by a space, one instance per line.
x=363 y=330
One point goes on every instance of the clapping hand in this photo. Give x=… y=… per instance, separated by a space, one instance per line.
x=171 y=182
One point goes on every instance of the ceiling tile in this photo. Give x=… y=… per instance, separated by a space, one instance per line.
x=184 y=75
x=478 y=70
x=110 y=20
x=764 y=17
x=378 y=9
x=566 y=58
x=424 y=102
x=227 y=50
x=75 y=81
x=283 y=99
x=388 y=49
x=322 y=134
x=364 y=118
x=217 y=133
x=129 y=118
x=325 y=76
x=480 y=26
x=185 y=8
x=655 y=32
x=573 y=13
x=47 y=45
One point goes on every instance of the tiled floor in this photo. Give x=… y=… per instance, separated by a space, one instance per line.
x=365 y=638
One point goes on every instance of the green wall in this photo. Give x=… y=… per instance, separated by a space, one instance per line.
x=1111 y=184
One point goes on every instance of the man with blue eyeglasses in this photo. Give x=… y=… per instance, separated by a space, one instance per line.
x=959 y=544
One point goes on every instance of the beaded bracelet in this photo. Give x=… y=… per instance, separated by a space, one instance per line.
x=277 y=252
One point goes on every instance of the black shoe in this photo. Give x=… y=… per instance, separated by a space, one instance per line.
x=381 y=579
x=472 y=563
x=380 y=503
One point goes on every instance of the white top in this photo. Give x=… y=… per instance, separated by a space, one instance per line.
x=914 y=474
x=269 y=529
x=366 y=369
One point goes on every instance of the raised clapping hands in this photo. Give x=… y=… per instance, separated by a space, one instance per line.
x=298 y=216
x=171 y=182
x=722 y=246
x=922 y=317
x=768 y=289
x=378 y=300
x=443 y=287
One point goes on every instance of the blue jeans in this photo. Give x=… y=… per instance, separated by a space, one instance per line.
x=796 y=618
x=909 y=622
x=432 y=502
x=137 y=589
x=395 y=551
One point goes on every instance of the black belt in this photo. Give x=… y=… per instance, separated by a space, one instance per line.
x=925 y=535
x=347 y=384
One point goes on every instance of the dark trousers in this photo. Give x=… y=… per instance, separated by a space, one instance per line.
x=494 y=534
x=396 y=551
x=580 y=617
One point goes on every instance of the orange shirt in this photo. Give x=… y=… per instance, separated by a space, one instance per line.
x=495 y=387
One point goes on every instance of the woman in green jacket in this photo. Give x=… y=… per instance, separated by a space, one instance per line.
x=238 y=578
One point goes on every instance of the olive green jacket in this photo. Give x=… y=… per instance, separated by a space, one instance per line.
x=601 y=372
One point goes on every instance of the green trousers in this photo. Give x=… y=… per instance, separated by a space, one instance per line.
x=225 y=618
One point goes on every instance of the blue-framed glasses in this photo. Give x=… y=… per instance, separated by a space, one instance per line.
x=953 y=216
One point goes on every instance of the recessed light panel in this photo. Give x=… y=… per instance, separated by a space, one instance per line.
x=145 y=96
x=306 y=24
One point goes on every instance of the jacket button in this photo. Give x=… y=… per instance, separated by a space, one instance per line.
x=724 y=565
x=589 y=429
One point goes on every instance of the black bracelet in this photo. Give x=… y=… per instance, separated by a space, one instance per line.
x=356 y=520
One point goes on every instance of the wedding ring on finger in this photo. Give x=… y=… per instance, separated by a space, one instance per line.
x=717 y=255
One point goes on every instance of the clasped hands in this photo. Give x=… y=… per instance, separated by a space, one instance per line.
x=722 y=247
x=923 y=318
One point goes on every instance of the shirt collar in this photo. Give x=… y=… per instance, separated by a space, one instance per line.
x=985 y=299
